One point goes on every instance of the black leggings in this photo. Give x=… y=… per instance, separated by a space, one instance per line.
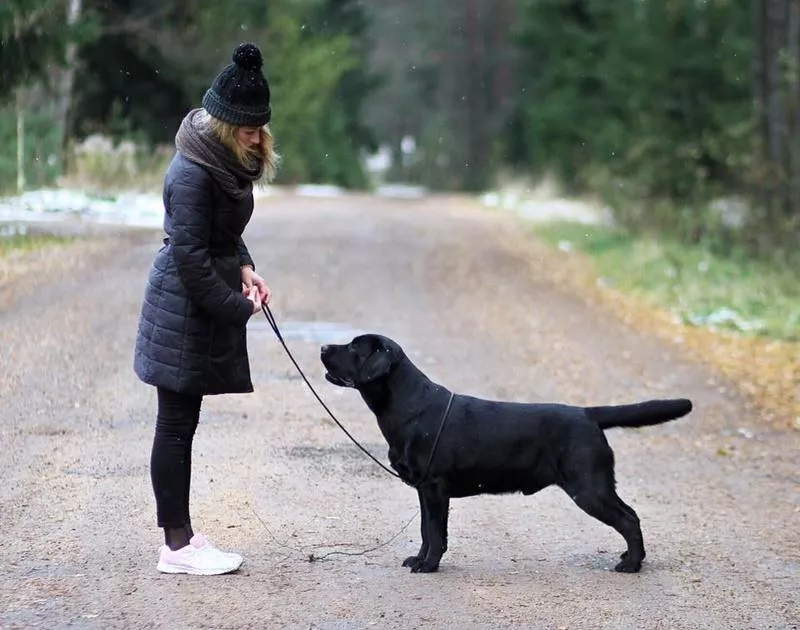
x=171 y=457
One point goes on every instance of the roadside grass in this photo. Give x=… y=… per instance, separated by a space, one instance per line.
x=21 y=242
x=752 y=297
x=739 y=315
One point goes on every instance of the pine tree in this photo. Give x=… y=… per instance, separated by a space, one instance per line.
x=33 y=35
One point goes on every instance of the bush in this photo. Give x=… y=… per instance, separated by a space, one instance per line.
x=99 y=164
x=42 y=148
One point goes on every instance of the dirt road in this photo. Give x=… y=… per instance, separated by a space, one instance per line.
x=470 y=296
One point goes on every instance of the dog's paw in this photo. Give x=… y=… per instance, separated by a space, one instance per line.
x=628 y=566
x=412 y=561
x=426 y=566
x=624 y=556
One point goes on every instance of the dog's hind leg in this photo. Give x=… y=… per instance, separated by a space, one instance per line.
x=630 y=511
x=416 y=561
x=630 y=562
x=608 y=508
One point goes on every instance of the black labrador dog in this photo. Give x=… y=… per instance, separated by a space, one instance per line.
x=450 y=445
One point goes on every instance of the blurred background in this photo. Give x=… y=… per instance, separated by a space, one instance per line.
x=684 y=101
x=678 y=120
x=517 y=187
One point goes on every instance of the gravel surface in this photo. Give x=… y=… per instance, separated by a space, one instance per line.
x=472 y=299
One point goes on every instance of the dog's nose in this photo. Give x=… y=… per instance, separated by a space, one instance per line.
x=325 y=349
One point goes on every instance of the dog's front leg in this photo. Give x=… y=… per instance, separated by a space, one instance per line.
x=416 y=561
x=437 y=506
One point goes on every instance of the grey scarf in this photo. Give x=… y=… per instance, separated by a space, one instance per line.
x=197 y=142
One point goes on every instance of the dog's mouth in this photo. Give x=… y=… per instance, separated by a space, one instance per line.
x=338 y=380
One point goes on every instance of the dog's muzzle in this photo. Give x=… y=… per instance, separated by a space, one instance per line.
x=336 y=380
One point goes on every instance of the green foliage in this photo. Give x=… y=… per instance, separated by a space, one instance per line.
x=155 y=60
x=346 y=134
x=645 y=99
x=42 y=143
x=309 y=124
x=32 y=35
x=125 y=80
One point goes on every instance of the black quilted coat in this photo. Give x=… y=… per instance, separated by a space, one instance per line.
x=192 y=329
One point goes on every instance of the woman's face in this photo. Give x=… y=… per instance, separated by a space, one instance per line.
x=249 y=137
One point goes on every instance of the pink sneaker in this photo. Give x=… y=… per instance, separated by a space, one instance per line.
x=199 y=557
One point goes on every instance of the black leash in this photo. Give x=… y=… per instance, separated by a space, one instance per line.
x=274 y=325
x=436 y=441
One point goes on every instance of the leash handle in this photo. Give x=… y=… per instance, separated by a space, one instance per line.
x=273 y=324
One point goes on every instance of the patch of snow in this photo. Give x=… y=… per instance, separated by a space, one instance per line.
x=401 y=191
x=541 y=206
x=310 y=331
x=380 y=161
x=491 y=199
x=732 y=212
x=319 y=190
x=724 y=317
x=59 y=204
x=548 y=210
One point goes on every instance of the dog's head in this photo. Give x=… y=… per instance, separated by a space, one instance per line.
x=366 y=359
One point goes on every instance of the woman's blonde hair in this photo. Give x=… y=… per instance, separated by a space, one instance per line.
x=265 y=151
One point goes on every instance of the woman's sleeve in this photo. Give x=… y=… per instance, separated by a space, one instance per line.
x=190 y=202
x=244 y=255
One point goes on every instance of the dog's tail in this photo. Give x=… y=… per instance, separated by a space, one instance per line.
x=641 y=414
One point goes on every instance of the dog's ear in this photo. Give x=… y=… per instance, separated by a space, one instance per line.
x=378 y=364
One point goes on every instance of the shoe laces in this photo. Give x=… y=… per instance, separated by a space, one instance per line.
x=199 y=541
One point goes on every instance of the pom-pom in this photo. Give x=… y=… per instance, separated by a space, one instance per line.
x=248 y=56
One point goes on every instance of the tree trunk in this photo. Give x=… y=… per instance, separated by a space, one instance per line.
x=477 y=150
x=792 y=73
x=502 y=66
x=777 y=85
x=66 y=80
x=20 y=112
x=20 y=140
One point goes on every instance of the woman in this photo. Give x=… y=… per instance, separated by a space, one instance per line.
x=202 y=290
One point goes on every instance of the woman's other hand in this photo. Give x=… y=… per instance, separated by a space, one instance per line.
x=253 y=294
x=251 y=279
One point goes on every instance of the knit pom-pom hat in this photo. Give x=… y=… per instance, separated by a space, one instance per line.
x=240 y=94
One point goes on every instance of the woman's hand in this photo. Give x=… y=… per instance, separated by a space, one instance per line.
x=251 y=279
x=252 y=294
